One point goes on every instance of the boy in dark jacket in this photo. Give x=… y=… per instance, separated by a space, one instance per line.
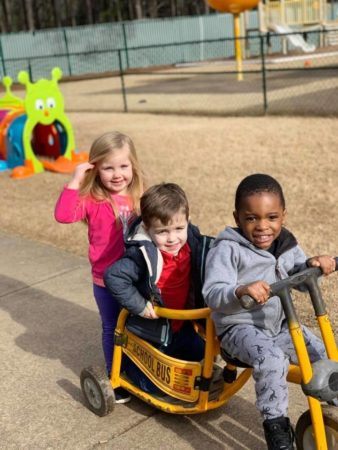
x=164 y=262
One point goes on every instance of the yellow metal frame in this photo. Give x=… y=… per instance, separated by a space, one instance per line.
x=238 y=46
x=171 y=375
x=161 y=368
x=306 y=371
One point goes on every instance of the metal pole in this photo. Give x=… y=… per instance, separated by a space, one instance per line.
x=238 y=49
x=2 y=59
x=30 y=71
x=67 y=50
x=125 y=43
x=122 y=83
x=265 y=99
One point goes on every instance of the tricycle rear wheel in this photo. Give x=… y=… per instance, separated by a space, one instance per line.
x=97 y=391
x=304 y=430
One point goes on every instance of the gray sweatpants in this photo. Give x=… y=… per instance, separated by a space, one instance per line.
x=270 y=358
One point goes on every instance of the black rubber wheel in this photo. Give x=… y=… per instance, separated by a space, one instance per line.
x=304 y=431
x=97 y=391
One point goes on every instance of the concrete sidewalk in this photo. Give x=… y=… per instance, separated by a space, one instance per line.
x=49 y=331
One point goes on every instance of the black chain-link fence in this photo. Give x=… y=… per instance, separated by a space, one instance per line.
x=278 y=77
x=295 y=83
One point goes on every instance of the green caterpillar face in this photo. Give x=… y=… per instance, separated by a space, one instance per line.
x=44 y=104
x=44 y=101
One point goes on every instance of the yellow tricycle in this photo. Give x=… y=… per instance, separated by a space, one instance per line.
x=194 y=387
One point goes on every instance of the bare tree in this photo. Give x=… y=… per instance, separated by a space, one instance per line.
x=119 y=15
x=131 y=9
x=173 y=11
x=57 y=12
x=43 y=14
x=152 y=8
x=72 y=6
x=3 y=19
x=180 y=7
x=90 y=17
x=29 y=15
x=138 y=9
x=18 y=15
x=6 y=17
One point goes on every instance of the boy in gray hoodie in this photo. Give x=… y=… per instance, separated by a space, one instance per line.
x=260 y=249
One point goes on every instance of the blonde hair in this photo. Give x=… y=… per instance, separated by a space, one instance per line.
x=105 y=145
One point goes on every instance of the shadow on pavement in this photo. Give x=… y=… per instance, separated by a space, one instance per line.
x=54 y=328
x=58 y=329
x=236 y=425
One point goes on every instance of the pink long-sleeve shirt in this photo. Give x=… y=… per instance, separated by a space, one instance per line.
x=105 y=236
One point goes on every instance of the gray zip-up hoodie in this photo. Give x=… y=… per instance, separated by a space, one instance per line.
x=234 y=261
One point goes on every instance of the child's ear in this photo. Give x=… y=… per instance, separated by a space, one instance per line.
x=284 y=217
x=235 y=214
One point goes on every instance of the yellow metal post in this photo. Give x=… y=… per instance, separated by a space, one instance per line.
x=306 y=371
x=328 y=337
x=238 y=48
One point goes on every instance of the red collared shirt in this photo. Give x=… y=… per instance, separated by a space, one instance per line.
x=174 y=281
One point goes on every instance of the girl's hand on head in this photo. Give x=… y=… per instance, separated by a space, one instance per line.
x=259 y=291
x=79 y=174
x=325 y=262
x=149 y=312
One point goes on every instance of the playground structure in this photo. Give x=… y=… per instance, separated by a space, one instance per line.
x=35 y=132
x=295 y=39
x=294 y=13
x=287 y=16
x=283 y=17
x=235 y=7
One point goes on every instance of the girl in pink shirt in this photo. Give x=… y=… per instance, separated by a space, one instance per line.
x=104 y=192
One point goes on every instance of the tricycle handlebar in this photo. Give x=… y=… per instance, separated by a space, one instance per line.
x=248 y=302
x=186 y=314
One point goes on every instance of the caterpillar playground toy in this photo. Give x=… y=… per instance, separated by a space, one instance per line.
x=35 y=132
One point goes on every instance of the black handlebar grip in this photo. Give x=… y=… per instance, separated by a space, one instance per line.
x=336 y=259
x=247 y=302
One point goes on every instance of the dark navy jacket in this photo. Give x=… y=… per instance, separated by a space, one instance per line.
x=132 y=279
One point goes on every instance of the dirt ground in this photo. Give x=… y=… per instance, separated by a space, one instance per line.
x=208 y=157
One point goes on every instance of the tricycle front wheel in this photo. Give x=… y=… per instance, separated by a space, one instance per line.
x=304 y=429
x=98 y=393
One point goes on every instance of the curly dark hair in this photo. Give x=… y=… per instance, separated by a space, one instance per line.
x=256 y=183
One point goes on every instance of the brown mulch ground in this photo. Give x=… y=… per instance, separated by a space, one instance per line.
x=207 y=157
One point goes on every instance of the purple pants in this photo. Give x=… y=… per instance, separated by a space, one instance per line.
x=109 y=311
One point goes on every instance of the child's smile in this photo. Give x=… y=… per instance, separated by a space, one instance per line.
x=116 y=172
x=172 y=237
x=260 y=217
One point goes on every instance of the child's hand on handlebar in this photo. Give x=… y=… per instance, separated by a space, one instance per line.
x=149 y=312
x=259 y=291
x=325 y=262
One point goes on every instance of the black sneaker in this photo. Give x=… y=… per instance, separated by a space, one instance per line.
x=121 y=396
x=333 y=402
x=279 y=434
